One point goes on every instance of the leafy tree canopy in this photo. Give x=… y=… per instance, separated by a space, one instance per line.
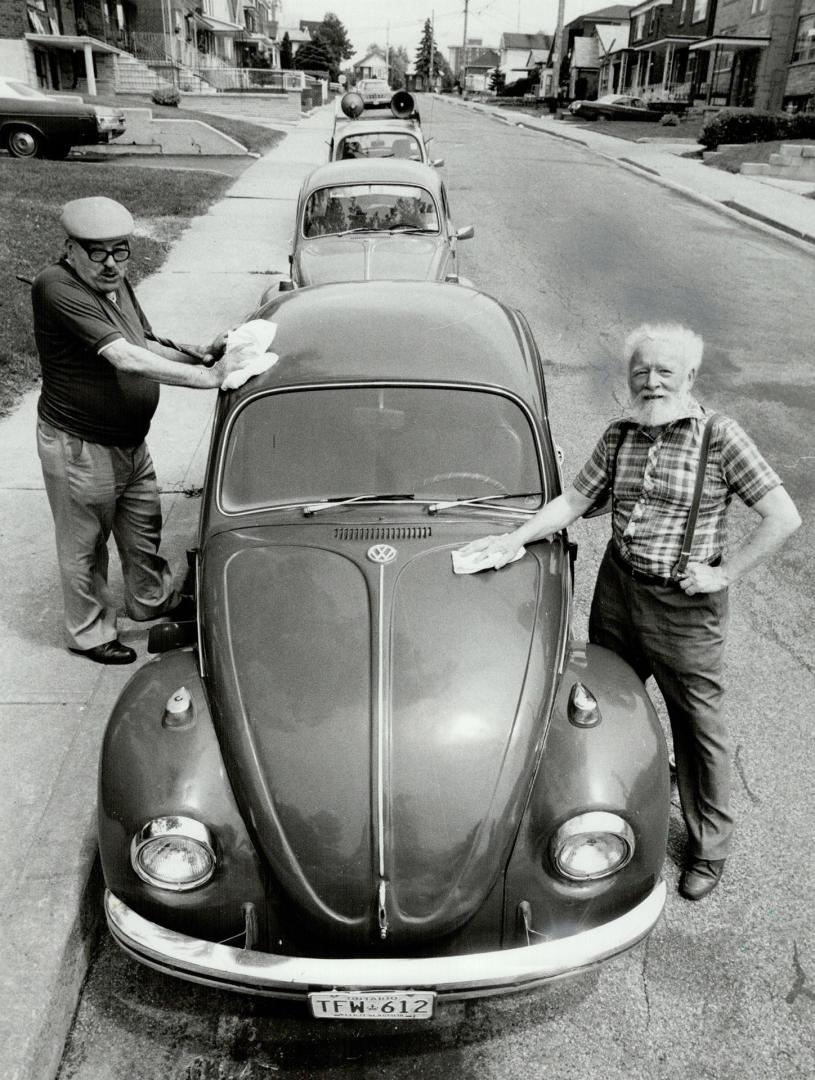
x=313 y=56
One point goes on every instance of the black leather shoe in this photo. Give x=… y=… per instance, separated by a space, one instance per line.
x=701 y=878
x=112 y=652
x=184 y=610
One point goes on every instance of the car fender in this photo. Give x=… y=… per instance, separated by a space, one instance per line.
x=151 y=769
x=618 y=765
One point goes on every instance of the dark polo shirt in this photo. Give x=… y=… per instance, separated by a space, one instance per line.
x=82 y=392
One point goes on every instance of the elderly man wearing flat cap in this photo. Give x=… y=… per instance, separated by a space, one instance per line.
x=100 y=389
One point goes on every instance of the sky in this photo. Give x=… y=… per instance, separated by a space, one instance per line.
x=400 y=22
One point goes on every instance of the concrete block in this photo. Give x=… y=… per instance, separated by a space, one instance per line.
x=791 y=149
x=808 y=151
x=779 y=159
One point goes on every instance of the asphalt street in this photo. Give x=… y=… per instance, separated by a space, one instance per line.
x=723 y=989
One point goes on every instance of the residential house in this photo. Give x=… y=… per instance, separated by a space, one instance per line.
x=613 y=53
x=749 y=51
x=256 y=46
x=665 y=66
x=297 y=36
x=514 y=50
x=800 y=84
x=373 y=65
x=478 y=69
x=59 y=45
x=581 y=51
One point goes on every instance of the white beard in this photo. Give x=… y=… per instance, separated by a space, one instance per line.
x=654 y=412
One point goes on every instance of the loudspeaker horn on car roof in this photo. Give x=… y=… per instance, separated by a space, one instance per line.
x=402 y=104
x=352 y=104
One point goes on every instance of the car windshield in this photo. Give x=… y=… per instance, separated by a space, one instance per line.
x=303 y=446
x=364 y=207
x=380 y=144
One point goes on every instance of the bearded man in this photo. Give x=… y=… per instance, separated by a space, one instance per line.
x=664 y=613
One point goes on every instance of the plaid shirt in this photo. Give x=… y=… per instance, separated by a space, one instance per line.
x=654 y=482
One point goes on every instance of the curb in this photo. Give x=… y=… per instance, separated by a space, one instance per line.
x=730 y=208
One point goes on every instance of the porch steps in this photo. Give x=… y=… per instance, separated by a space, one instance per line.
x=135 y=77
x=794 y=161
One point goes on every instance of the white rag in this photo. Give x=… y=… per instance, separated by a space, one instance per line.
x=479 y=560
x=248 y=344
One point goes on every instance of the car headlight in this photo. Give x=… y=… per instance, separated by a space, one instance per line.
x=175 y=853
x=592 y=846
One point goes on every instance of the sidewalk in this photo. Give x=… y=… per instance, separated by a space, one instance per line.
x=54 y=706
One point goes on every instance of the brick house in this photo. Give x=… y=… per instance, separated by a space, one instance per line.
x=664 y=64
x=749 y=50
x=580 y=53
x=799 y=90
x=62 y=44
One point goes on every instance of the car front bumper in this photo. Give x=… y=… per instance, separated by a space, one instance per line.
x=451 y=977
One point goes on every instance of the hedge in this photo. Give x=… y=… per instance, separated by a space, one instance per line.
x=752 y=125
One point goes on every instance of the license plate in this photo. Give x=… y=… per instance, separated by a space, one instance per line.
x=365 y=1005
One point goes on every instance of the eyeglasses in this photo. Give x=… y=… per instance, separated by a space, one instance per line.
x=120 y=253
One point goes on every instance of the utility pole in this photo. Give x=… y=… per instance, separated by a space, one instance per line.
x=557 y=52
x=388 y=52
x=462 y=73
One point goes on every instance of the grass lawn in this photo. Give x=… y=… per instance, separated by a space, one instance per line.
x=254 y=137
x=32 y=193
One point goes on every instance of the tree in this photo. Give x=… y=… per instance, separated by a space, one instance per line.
x=430 y=64
x=333 y=37
x=286 y=53
x=313 y=56
x=497 y=80
x=399 y=64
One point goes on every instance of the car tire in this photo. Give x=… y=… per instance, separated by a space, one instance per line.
x=25 y=143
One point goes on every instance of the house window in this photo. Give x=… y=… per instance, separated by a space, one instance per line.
x=758 y=7
x=804 y=40
x=683 y=11
x=652 y=20
x=699 y=10
x=639 y=27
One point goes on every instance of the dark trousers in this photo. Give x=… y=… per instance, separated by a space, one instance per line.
x=679 y=639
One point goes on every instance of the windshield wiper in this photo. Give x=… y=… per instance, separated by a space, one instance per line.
x=435 y=507
x=347 y=232
x=401 y=227
x=315 y=508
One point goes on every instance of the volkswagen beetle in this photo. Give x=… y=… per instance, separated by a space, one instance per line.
x=365 y=781
x=365 y=219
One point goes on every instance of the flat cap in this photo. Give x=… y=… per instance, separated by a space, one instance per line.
x=96 y=218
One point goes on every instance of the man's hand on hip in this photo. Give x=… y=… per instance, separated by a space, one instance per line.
x=701 y=578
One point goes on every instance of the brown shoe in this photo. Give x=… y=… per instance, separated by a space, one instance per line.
x=112 y=652
x=701 y=878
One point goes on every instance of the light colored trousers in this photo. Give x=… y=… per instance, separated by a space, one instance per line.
x=95 y=490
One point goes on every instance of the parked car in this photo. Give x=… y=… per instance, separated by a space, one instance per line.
x=33 y=124
x=366 y=782
x=364 y=219
x=373 y=136
x=374 y=92
x=616 y=107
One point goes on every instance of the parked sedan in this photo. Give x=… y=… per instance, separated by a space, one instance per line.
x=375 y=93
x=376 y=137
x=364 y=219
x=367 y=782
x=33 y=124
x=615 y=107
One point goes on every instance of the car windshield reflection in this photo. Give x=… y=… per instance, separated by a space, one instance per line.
x=304 y=446
x=380 y=145
x=368 y=207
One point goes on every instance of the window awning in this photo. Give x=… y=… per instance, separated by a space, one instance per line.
x=249 y=37
x=219 y=26
x=72 y=42
x=662 y=44
x=730 y=41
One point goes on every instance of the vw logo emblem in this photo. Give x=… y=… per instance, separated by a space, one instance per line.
x=381 y=553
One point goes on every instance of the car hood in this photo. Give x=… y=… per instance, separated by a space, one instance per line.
x=380 y=722
x=388 y=257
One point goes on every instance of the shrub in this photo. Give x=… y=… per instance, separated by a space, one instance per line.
x=752 y=125
x=166 y=95
x=669 y=120
x=517 y=88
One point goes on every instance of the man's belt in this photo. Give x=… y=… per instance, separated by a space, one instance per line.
x=648 y=579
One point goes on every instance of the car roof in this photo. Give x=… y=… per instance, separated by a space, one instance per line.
x=370 y=125
x=398 y=331
x=372 y=171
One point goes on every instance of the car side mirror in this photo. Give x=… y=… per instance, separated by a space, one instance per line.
x=467 y=233
x=286 y=285
x=437 y=163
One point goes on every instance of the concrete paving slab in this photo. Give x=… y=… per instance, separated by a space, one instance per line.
x=243 y=243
